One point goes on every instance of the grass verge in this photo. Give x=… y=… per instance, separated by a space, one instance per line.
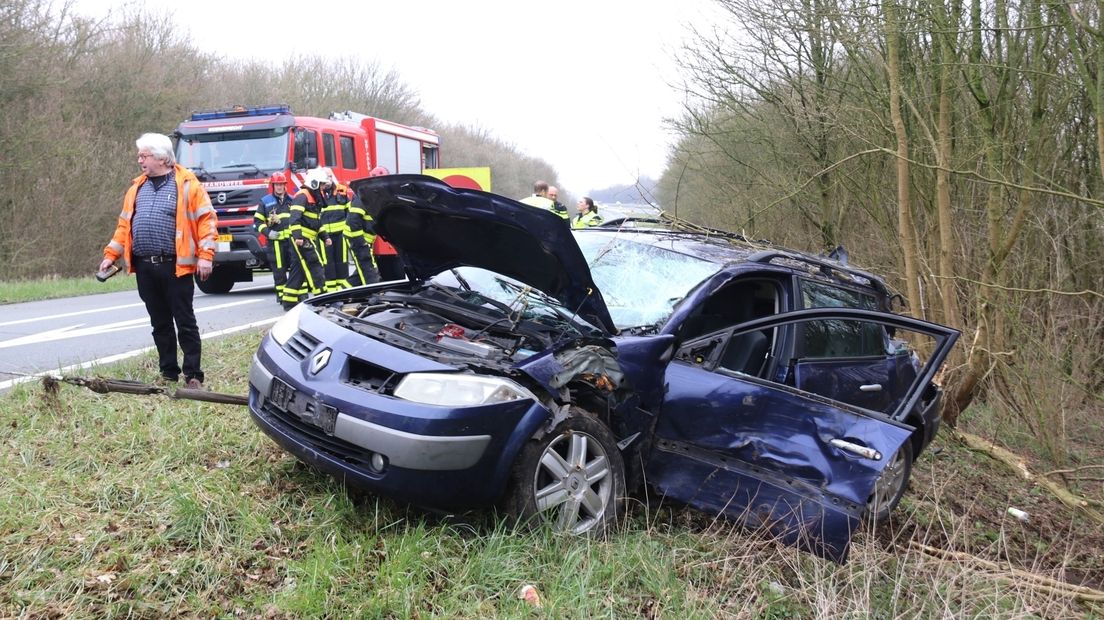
x=115 y=505
x=55 y=288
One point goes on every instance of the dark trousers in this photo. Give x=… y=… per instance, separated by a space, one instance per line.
x=168 y=300
x=362 y=260
x=305 y=273
x=336 y=264
x=276 y=253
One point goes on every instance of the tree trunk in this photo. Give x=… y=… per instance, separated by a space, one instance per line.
x=905 y=228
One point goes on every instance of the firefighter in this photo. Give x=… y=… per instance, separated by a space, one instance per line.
x=335 y=260
x=361 y=235
x=588 y=214
x=272 y=220
x=305 y=273
x=386 y=257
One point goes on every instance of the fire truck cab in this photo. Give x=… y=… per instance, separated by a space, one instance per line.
x=234 y=151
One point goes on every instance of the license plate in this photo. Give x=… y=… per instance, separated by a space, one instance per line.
x=226 y=238
x=281 y=395
x=327 y=419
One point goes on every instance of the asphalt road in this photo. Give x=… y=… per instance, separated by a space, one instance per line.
x=72 y=334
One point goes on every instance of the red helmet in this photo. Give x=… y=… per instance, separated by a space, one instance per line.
x=379 y=171
x=278 y=178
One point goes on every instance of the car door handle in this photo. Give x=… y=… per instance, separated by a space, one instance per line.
x=856 y=449
x=871 y=387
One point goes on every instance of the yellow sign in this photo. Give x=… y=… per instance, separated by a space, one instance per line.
x=469 y=178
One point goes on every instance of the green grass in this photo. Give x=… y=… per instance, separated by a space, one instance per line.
x=126 y=506
x=55 y=288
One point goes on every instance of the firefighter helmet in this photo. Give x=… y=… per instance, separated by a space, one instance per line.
x=378 y=171
x=278 y=178
x=315 y=178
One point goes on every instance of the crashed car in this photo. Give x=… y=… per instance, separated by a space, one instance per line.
x=552 y=373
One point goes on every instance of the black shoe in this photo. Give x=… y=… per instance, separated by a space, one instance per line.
x=288 y=305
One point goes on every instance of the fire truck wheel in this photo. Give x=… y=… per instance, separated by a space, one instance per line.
x=218 y=283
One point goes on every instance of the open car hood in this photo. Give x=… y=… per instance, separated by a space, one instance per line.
x=436 y=227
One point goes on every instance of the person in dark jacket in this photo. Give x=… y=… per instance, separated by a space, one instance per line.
x=272 y=220
x=360 y=234
x=305 y=274
x=335 y=258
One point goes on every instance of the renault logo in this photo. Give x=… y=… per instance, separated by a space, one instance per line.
x=319 y=361
x=221 y=198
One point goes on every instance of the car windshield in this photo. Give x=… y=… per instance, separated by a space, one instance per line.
x=519 y=301
x=240 y=151
x=641 y=283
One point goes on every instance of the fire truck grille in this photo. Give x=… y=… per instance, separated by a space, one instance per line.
x=222 y=199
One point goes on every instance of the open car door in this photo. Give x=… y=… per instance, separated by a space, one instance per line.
x=800 y=465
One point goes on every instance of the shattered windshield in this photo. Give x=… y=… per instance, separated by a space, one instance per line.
x=641 y=283
x=254 y=152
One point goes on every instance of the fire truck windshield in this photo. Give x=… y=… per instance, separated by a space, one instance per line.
x=243 y=152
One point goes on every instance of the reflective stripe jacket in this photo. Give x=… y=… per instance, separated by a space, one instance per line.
x=196 y=224
x=359 y=227
x=590 y=218
x=335 y=211
x=305 y=221
x=273 y=215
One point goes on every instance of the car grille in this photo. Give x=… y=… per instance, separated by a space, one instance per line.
x=368 y=376
x=315 y=437
x=301 y=344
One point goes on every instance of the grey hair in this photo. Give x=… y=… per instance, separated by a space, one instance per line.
x=159 y=146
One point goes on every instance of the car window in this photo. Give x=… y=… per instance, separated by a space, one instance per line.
x=477 y=285
x=641 y=283
x=835 y=338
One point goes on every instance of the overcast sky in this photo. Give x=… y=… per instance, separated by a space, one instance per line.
x=584 y=85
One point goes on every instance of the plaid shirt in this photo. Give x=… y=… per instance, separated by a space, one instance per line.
x=154 y=225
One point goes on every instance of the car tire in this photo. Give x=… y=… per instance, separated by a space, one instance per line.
x=572 y=478
x=218 y=283
x=890 y=486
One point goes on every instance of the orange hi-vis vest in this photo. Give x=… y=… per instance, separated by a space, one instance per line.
x=196 y=224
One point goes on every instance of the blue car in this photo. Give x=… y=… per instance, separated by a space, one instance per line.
x=552 y=373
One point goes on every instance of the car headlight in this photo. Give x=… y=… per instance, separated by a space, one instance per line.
x=286 y=327
x=457 y=390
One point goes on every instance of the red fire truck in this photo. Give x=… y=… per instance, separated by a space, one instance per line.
x=234 y=152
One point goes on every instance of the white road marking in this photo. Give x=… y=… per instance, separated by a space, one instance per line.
x=50 y=317
x=78 y=330
x=68 y=314
x=110 y=359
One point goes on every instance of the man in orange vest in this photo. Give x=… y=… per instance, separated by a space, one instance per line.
x=166 y=233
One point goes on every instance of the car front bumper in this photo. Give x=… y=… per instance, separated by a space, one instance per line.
x=437 y=457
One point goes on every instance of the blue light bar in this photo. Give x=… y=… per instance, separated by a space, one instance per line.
x=240 y=110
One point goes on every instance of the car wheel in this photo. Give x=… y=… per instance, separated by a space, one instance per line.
x=572 y=478
x=891 y=485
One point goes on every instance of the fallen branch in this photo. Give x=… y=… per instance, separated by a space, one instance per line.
x=1072 y=471
x=1017 y=464
x=1033 y=580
